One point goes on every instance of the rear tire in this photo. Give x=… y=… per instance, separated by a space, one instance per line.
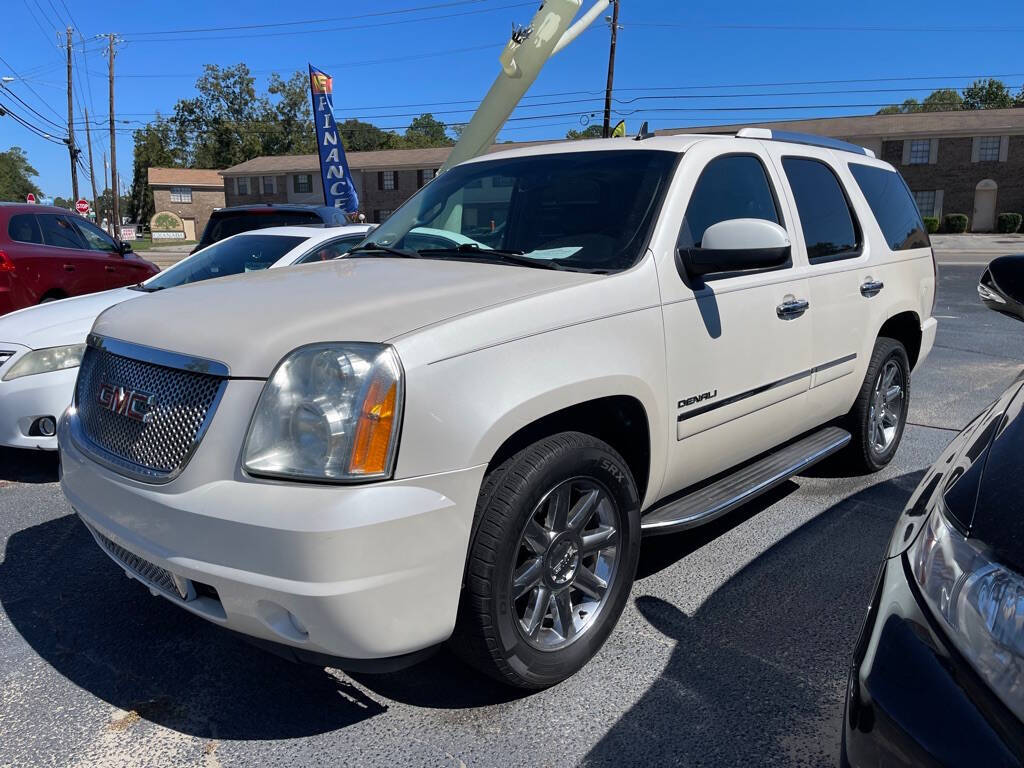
x=879 y=416
x=551 y=562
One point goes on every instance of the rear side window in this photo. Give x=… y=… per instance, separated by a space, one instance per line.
x=893 y=206
x=228 y=224
x=730 y=187
x=825 y=216
x=59 y=232
x=24 y=228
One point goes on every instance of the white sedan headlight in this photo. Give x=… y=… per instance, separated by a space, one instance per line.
x=329 y=412
x=46 y=360
x=979 y=602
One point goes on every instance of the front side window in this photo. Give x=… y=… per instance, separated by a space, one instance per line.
x=303 y=183
x=587 y=211
x=897 y=213
x=730 y=187
x=269 y=185
x=24 y=228
x=245 y=253
x=181 y=194
x=242 y=185
x=920 y=151
x=97 y=239
x=825 y=215
x=60 y=232
x=988 y=149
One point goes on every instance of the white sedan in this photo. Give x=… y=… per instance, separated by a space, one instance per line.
x=41 y=346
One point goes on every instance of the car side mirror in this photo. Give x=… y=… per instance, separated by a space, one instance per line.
x=124 y=248
x=1002 y=286
x=738 y=245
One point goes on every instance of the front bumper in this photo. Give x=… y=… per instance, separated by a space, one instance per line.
x=23 y=401
x=359 y=572
x=912 y=700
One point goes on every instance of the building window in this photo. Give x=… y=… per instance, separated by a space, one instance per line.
x=303 y=183
x=920 y=151
x=426 y=175
x=925 y=200
x=988 y=149
x=504 y=181
x=183 y=194
x=269 y=185
x=242 y=185
x=379 y=215
x=387 y=180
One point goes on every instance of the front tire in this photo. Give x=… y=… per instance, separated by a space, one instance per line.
x=879 y=416
x=551 y=563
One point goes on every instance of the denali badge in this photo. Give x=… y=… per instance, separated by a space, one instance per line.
x=698 y=399
x=133 y=403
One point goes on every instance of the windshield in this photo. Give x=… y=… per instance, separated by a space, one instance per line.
x=245 y=253
x=225 y=224
x=588 y=211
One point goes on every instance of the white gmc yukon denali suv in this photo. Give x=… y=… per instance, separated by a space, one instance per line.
x=426 y=442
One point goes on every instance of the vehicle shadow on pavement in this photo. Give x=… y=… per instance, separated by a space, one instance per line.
x=107 y=635
x=24 y=466
x=758 y=673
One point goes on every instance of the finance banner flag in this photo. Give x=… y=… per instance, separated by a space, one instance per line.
x=339 y=189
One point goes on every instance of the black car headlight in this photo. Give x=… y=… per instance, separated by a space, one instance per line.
x=979 y=602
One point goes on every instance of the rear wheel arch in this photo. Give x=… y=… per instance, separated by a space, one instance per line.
x=905 y=327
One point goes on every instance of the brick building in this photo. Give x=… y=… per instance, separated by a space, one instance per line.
x=191 y=193
x=969 y=162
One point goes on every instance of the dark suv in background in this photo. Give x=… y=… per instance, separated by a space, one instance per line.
x=225 y=222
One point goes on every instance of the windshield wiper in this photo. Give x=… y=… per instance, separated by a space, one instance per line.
x=371 y=247
x=508 y=257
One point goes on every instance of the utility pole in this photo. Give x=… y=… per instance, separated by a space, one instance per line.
x=106 y=183
x=92 y=168
x=72 y=151
x=611 y=71
x=116 y=214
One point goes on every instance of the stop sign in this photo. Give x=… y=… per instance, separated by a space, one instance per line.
x=30 y=198
x=82 y=206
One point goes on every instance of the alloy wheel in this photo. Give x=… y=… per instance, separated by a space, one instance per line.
x=886 y=411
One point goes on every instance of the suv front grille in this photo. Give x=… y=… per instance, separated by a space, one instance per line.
x=143 y=418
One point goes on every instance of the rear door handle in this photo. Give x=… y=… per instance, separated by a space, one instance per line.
x=108 y=268
x=792 y=309
x=69 y=267
x=871 y=288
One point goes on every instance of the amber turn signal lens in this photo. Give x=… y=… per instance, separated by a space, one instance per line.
x=373 y=433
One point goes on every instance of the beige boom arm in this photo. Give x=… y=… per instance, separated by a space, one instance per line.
x=521 y=63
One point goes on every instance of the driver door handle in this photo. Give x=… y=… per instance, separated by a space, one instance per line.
x=871 y=288
x=108 y=268
x=792 y=309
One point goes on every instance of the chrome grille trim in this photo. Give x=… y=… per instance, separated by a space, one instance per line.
x=150 y=574
x=161 y=357
x=157 y=450
x=5 y=355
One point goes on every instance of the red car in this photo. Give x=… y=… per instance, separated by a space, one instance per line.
x=48 y=253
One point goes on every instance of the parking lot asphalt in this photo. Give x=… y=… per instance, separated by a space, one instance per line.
x=733 y=649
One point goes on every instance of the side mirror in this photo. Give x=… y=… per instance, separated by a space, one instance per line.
x=1002 y=286
x=124 y=248
x=738 y=245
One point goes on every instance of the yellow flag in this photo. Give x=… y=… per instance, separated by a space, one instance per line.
x=619 y=130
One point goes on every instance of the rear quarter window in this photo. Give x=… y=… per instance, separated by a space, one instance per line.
x=892 y=205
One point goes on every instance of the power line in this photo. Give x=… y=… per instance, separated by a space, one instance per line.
x=29 y=86
x=819 y=28
x=29 y=107
x=8 y=112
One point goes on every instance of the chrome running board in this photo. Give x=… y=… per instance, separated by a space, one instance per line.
x=737 y=488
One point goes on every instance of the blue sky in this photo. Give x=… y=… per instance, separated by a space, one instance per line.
x=717 y=60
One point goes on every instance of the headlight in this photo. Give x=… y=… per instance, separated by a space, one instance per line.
x=329 y=412
x=979 y=602
x=46 y=360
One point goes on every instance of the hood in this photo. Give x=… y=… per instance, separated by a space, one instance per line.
x=998 y=519
x=251 y=321
x=60 y=322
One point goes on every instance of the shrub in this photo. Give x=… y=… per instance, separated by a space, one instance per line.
x=955 y=223
x=931 y=223
x=1008 y=223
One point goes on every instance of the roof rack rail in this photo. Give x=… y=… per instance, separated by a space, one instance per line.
x=803 y=138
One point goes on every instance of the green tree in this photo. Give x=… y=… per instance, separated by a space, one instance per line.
x=427 y=131
x=105 y=205
x=987 y=94
x=16 y=176
x=289 y=119
x=61 y=202
x=909 y=105
x=154 y=148
x=943 y=100
x=358 y=136
x=594 y=131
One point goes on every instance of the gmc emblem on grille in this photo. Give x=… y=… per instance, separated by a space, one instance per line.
x=131 y=403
